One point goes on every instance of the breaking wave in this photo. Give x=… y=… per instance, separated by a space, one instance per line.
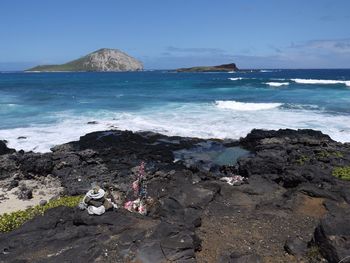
x=277 y=84
x=245 y=106
x=240 y=78
x=222 y=119
x=321 y=81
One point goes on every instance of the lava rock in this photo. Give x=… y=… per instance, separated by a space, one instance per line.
x=332 y=235
x=296 y=247
x=13 y=184
x=42 y=202
x=92 y=122
x=24 y=193
x=237 y=258
x=4 y=149
x=284 y=164
x=125 y=235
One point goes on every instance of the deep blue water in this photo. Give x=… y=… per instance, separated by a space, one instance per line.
x=51 y=108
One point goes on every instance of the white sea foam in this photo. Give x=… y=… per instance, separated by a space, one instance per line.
x=322 y=81
x=204 y=120
x=244 y=106
x=277 y=84
x=240 y=78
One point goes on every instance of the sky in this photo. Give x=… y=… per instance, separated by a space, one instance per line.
x=166 y=34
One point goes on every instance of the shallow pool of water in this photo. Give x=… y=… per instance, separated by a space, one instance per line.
x=210 y=153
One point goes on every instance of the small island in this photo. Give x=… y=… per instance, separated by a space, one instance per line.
x=102 y=60
x=219 y=68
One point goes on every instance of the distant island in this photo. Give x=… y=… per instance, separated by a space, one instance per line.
x=219 y=68
x=102 y=60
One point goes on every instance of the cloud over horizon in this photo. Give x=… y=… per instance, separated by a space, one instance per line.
x=325 y=53
x=316 y=53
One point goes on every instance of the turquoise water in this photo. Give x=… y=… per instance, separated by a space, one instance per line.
x=205 y=154
x=52 y=108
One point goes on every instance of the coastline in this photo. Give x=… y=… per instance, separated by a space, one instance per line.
x=291 y=194
x=51 y=109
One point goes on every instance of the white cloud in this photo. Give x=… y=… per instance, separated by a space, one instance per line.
x=327 y=45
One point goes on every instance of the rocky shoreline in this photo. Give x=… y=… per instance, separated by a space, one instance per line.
x=292 y=208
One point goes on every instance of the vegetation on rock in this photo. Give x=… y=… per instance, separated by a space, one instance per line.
x=11 y=221
x=303 y=159
x=342 y=172
x=224 y=68
x=327 y=154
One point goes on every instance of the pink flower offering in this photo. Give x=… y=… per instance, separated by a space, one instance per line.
x=129 y=205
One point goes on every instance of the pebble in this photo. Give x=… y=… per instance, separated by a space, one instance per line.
x=42 y=202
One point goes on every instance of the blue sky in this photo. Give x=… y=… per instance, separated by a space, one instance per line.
x=170 y=34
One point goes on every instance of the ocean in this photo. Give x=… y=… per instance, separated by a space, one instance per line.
x=40 y=110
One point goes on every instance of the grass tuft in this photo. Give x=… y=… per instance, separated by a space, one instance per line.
x=342 y=172
x=302 y=159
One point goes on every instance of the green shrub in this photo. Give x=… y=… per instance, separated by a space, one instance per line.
x=342 y=172
x=326 y=154
x=11 y=221
x=302 y=159
x=323 y=154
x=338 y=154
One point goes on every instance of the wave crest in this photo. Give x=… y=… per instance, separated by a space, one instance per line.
x=277 y=84
x=322 y=81
x=240 y=78
x=245 y=106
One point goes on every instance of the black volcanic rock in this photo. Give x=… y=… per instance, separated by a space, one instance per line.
x=293 y=158
x=296 y=247
x=168 y=233
x=332 y=235
x=291 y=195
x=4 y=149
x=25 y=193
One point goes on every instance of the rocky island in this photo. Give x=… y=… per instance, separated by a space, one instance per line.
x=101 y=60
x=220 y=68
x=293 y=206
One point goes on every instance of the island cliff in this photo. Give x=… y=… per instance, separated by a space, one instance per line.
x=101 y=60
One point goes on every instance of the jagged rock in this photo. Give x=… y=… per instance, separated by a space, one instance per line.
x=187 y=201
x=332 y=235
x=296 y=247
x=8 y=166
x=4 y=149
x=292 y=158
x=14 y=183
x=35 y=163
x=123 y=234
x=257 y=136
x=25 y=193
